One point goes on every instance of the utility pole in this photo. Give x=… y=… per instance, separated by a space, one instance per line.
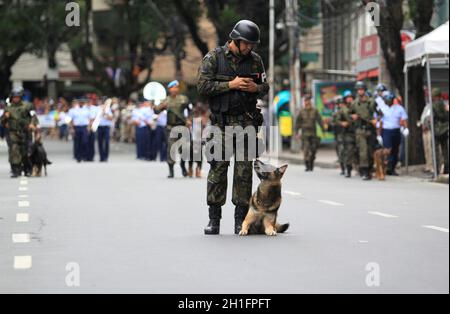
x=292 y=20
x=272 y=138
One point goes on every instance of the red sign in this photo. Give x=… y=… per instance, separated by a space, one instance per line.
x=369 y=46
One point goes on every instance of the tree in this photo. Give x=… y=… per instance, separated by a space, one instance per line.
x=389 y=31
x=129 y=37
x=19 y=32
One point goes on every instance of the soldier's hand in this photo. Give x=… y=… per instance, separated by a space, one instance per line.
x=240 y=83
x=345 y=124
x=374 y=122
x=251 y=87
x=355 y=117
x=31 y=127
x=7 y=114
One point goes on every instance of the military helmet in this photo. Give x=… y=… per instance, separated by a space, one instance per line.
x=381 y=88
x=339 y=99
x=17 y=92
x=247 y=31
x=347 y=93
x=436 y=92
x=360 y=85
x=388 y=95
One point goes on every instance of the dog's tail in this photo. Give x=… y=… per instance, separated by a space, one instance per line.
x=282 y=228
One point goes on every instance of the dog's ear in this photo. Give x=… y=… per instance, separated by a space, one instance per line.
x=282 y=171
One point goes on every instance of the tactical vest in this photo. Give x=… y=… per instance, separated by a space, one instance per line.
x=233 y=102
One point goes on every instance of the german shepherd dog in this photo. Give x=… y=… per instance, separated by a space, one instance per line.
x=38 y=158
x=264 y=204
x=381 y=159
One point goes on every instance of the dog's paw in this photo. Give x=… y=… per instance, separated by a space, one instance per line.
x=243 y=233
x=271 y=233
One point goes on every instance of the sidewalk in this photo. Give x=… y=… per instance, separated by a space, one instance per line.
x=326 y=158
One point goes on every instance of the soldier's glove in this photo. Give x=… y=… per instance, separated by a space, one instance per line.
x=380 y=140
x=405 y=131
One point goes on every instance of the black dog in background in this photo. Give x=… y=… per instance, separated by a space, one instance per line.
x=38 y=158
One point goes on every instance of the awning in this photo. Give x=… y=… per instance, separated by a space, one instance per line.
x=368 y=74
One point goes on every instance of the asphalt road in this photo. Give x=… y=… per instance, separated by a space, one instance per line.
x=122 y=227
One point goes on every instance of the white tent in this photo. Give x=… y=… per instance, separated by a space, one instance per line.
x=426 y=50
x=434 y=44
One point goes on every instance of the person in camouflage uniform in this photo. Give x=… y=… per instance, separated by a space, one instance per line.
x=343 y=124
x=307 y=121
x=176 y=106
x=339 y=132
x=441 y=127
x=232 y=77
x=20 y=120
x=363 y=111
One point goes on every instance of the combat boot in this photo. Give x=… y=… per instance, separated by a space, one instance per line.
x=342 y=170
x=171 y=172
x=240 y=214
x=215 y=214
x=366 y=175
x=183 y=169
x=307 y=166
x=349 y=172
x=15 y=172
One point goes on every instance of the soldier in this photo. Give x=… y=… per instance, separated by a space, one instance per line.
x=232 y=77
x=339 y=131
x=2 y=129
x=441 y=127
x=20 y=120
x=176 y=105
x=363 y=112
x=348 y=133
x=306 y=122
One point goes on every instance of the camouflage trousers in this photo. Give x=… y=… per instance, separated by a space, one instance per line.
x=310 y=144
x=243 y=170
x=340 y=148
x=442 y=152
x=19 y=155
x=349 y=157
x=365 y=143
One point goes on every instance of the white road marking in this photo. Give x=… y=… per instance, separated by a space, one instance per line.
x=23 y=262
x=23 y=196
x=330 y=203
x=23 y=204
x=382 y=215
x=436 y=228
x=22 y=217
x=363 y=241
x=21 y=238
x=292 y=193
x=24 y=182
x=23 y=189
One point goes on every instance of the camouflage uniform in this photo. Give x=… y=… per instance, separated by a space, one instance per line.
x=365 y=131
x=345 y=137
x=339 y=136
x=307 y=121
x=441 y=128
x=176 y=108
x=237 y=112
x=19 y=135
